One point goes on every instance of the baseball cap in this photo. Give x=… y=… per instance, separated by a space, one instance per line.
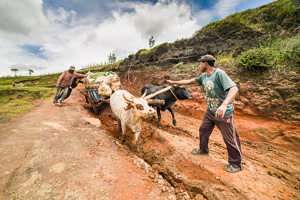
x=207 y=58
x=72 y=68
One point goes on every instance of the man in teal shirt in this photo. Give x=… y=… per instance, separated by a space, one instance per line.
x=219 y=91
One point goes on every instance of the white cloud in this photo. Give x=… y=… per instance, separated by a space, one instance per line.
x=61 y=16
x=20 y=18
x=226 y=7
x=204 y=17
x=68 y=39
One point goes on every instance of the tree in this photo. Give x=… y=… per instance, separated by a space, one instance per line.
x=112 y=58
x=30 y=71
x=151 y=42
x=15 y=70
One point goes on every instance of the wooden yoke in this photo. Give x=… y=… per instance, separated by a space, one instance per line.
x=158 y=92
x=156 y=101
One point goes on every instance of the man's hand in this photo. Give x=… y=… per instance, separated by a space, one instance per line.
x=57 y=86
x=221 y=111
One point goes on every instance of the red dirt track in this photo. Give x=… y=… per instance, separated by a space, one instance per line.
x=56 y=153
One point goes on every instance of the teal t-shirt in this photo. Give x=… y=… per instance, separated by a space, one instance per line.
x=215 y=88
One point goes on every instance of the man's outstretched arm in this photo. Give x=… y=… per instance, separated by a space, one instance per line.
x=182 y=82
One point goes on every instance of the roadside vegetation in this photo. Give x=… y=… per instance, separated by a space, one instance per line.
x=17 y=100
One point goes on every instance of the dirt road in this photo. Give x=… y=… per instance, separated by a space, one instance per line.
x=61 y=153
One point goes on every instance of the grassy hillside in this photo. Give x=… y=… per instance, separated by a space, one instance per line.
x=17 y=100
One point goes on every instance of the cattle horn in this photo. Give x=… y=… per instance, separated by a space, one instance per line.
x=126 y=98
x=143 y=96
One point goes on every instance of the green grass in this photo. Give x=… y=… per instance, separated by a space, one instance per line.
x=143 y=51
x=43 y=80
x=225 y=58
x=16 y=107
x=17 y=100
x=276 y=52
x=278 y=15
x=180 y=64
x=100 y=67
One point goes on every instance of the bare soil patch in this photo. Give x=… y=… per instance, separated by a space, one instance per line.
x=60 y=153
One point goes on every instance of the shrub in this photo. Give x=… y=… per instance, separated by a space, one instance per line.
x=277 y=53
x=255 y=59
x=180 y=64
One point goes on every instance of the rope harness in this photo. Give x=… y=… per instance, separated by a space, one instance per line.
x=173 y=93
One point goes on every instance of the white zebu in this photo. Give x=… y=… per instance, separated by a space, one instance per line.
x=129 y=111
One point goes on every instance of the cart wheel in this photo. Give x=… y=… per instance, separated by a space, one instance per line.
x=95 y=110
x=90 y=103
x=87 y=103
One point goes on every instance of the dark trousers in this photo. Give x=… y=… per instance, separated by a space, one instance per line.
x=229 y=132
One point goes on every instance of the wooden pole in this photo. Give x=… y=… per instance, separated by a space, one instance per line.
x=158 y=92
x=156 y=101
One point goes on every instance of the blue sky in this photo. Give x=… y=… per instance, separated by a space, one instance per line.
x=50 y=35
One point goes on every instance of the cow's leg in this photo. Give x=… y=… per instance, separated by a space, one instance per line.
x=119 y=124
x=137 y=141
x=173 y=116
x=123 y=126
x=159 y=117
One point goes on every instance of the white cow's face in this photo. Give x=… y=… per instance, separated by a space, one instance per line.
x=141 y=108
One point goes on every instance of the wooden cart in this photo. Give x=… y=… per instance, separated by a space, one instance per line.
x=94 y=101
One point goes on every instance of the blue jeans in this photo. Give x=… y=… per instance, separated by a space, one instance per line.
x=62 y=93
